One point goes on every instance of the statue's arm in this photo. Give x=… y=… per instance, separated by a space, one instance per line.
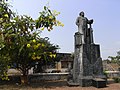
x=77 y=21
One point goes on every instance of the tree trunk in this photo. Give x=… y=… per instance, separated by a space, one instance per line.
x=24 y=79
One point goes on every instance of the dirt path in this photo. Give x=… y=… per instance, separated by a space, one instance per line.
x=61 y=85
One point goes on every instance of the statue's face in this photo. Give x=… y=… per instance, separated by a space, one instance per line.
x=82 y=14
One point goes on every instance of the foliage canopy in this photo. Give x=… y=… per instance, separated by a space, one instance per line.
x=20 y=41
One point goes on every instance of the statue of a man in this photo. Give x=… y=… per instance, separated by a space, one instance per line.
x=82 y=23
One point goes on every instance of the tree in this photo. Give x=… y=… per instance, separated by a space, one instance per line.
x=5 y=16
x=118 y=58
x=21 y=43
x=115 y=59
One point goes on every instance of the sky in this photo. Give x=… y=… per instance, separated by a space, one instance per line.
x=105 y=13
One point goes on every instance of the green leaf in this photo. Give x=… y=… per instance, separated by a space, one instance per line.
x=21 y=49
x=44 y=7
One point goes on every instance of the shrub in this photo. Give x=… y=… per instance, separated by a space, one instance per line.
x=116 y=79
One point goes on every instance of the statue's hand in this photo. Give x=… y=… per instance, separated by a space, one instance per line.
x=90 y=21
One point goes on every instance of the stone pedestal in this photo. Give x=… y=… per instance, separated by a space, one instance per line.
x=87 y=63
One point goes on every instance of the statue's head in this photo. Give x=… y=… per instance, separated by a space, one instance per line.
x=81 y=14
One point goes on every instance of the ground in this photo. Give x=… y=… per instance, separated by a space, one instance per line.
x=56 y=85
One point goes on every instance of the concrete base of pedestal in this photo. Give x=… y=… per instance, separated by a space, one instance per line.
x=85 y=81
x=99 y=83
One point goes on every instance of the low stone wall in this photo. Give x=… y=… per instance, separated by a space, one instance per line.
x=112 y=74
x=36 y=78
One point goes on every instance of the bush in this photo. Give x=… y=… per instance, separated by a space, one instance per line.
x=105 y=73
x=116 y=79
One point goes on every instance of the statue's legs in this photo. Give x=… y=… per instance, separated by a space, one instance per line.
x=83 y=38
x=82 y=35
